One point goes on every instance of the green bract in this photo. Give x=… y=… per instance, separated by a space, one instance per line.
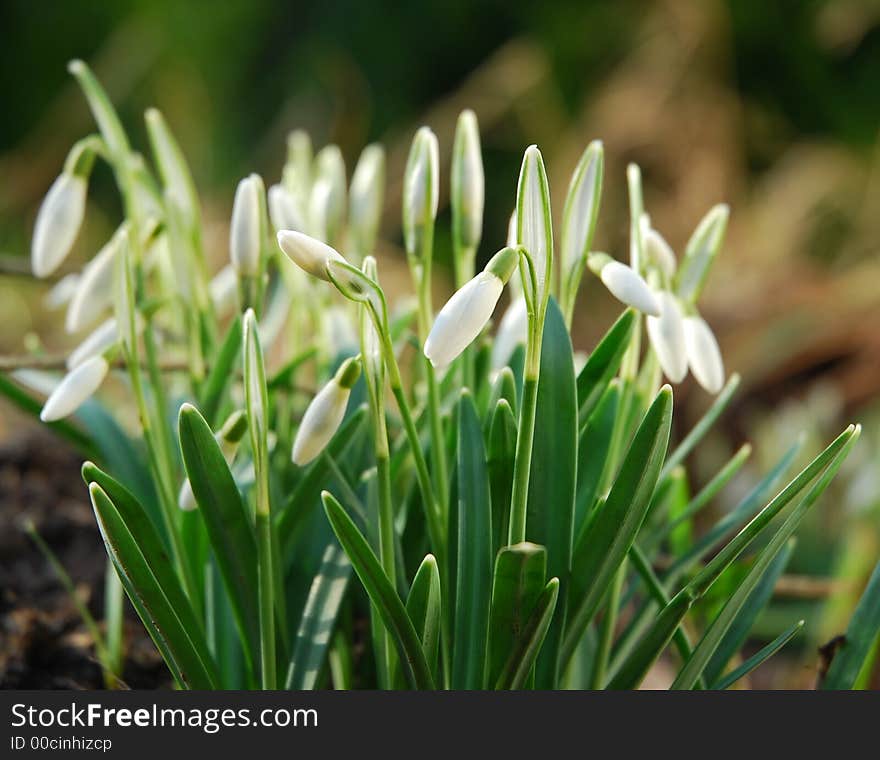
x=522 y=526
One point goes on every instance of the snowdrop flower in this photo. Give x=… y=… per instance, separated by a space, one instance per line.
x=468 y=182
x=464 y=316
x=61 y=292
x=58 y=222
x=703 y=354
x=657 y=250
x=284 y=212
x=228 y=438
x=325 y=413
x=95 y=290
x=244 y=231
x=512 y=332
x=421 y=185
x=625 y=284
x=100 y=340
x=307 y=253
x=330 y=171
x=74 y=389
x=365 y=198
x=667 y=337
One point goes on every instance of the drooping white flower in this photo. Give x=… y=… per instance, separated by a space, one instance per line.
x=58 y=222
x=657 y=250
x=703 y=353
x=96 y=343
x=284 y=212
x=94 y=293
x=666 y=333
x=61 y=292
x=307 y=253
x=75 y=388
x=324 y=414
x=244 y=230
x=512 y=332
x=626 y=285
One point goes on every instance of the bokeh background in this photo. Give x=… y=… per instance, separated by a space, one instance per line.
x=770 y=107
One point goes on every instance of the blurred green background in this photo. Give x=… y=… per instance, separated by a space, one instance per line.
x=770 y=107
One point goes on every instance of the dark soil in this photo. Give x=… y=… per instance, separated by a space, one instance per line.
x=43 y=642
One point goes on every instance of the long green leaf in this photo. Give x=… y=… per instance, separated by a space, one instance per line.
x=758 y=658
x=226 y=521
x=502 y=452
x=520 y=577
x=528 y=643
x=606 y=541
x=474 y=556
x=318 y=619
x=603 y=364
x=381 y=593
x=423 y=605
x=593 y=447
x=861 y=637
x=191 y=658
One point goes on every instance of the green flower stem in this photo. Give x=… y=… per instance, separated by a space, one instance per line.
x=606 y=634
x=266 y=591
x=463 y=260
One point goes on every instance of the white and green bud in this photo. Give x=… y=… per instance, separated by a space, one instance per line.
x=534 y=226
x=700 y=253
x=307 y=253
x=245 y=230
x=421 y=190
x=172 y=165
x=94 y=292
x=365 y=199
x=624 y=283
x=666 y=334
x=703 y=354
x=330 y=170
x=284 y=212
x=582 y=208
x=325 y=413
x=75 y=389
x=468 y=183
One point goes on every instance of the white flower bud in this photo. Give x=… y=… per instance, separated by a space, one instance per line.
x=513 y=331
x=462 y=318
x=76 y=386
x=307 y=253
x=365 y=198
x=244 y=231
x=58 y=223
x=223 y=289
x=582 y=207
x=468 y=182
x=666 y=333
x=94 y=293
x=283 y=210
x=324 y=415
x=534 y=230
x=703 y=354
x=421 y=185
x=101 y=339
x=61 y=292
x=627 y=285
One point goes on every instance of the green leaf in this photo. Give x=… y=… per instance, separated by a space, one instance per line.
x=190 y=658
x=103 y=111
x=502 y=453
x=423 y=607
x=221 y=374
x=226 y=520
x=528 y=643
x=603 y=364
x=861 y=636
x=318 y=619
x=520 y=577
x=606 y=541
x=284 y=376
x=593 y=446
x=739 y=630
x=474 y=556
x=758 y=658
x=553 y=474
x=382 y=594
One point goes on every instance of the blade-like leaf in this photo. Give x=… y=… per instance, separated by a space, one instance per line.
x=226 y=520
x=603 y=364
x=861 y=636
x=381 y=593
x=474 y=556
x=520 y=577
x=593 y=446
x=423 y=607
x=502 y=452
x=758 y=658
x=528 y=643
x=553 y=475
x=318 y=619
x=607 y=539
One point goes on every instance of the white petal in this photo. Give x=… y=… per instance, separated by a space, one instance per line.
x=627 y=285
x=511 y=230
x=659 y=251
x=666 y=333
x=223 y=288
x=307 y=253
x=703 y=353
x=94 y=293
x=320 y=422
x=103 y=337
x=76 y=386
x=283 y=210
x=61 y=292
x=244 y=230
x=186 y=499
x=512 y=332
x=462 y=318
x=58 y=223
